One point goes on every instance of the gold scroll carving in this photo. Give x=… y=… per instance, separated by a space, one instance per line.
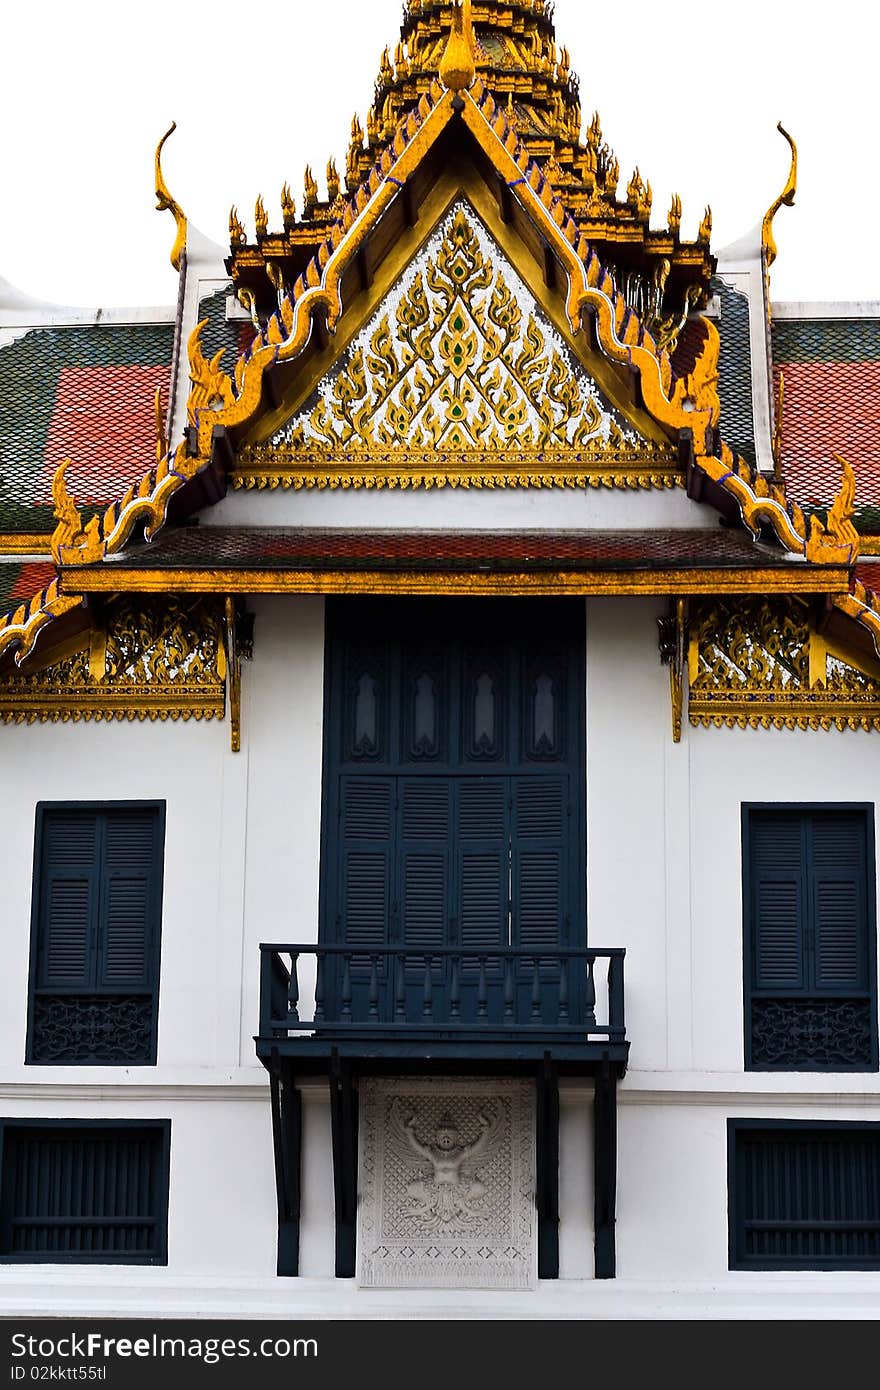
x=151 y=659
x=762 y=663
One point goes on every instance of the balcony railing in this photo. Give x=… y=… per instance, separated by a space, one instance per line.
x=311 y=993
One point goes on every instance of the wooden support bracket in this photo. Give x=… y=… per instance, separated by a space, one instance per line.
x=344 y=1131
x=287 y=1141
x=547 y=1170
x=674 y=654
x=605 y=1171
x=239 y=647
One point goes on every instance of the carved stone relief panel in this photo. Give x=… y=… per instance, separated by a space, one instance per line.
x=447 y=1184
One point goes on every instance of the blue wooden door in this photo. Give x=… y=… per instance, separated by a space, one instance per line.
x=453 y=810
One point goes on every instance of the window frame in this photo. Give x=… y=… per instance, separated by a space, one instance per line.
x=53 y=1126
x=866 y=809
x=43 y=809
x=741 y=1125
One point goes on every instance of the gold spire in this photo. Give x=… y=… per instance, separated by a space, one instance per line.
x=786 y=197
x=165 y=202
x=459 y=66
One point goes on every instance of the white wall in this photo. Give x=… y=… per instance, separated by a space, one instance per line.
x=242 y=866
x=464 y=509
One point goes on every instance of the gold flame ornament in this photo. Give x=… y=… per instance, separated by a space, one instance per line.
x=786 y=196
x=165 y=202
x=459 y=66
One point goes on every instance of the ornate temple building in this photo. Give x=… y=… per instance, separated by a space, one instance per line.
x=439 y=738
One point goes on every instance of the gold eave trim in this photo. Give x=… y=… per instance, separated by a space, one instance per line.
x=32 y=544
x=137 y=705
x=824 y=711
x=270 y=470
x=791 y=580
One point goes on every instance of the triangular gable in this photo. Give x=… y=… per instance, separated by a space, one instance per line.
x=459 y=376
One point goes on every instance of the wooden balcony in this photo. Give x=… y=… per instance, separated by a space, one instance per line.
x=400 y=1009
x=346 y=1011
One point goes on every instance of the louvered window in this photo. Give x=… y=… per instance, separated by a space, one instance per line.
x=810 y=946
x=85 y=1192
x=95 y=938
x=804 y=1196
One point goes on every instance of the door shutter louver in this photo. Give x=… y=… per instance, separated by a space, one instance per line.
x=425 y=828
x=778 y=903
x=483 y=862
x=69 y=900
x=538 y=873
x=368 y=832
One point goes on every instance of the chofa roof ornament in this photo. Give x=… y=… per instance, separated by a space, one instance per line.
x=459 y=66
x=786 y=196
x=165 y=202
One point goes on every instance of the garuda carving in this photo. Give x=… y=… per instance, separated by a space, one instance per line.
x=448 y=1189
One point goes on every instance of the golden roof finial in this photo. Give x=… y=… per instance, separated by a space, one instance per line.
x=288 y=207
x=786 y=197
x=165 y=202
x=261 y=216
x=459 y=66
x=237 y=233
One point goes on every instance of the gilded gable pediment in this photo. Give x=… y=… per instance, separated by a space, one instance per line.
x=458 y=377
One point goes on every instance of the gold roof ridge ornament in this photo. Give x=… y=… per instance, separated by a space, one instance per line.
x=838 y=529
x=70 y=533
x=786 y=197
x=165 y=202
x=459 y=66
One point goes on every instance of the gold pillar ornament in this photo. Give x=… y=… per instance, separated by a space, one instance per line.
x=459 y=66
x=786 y=196
x=165 y=202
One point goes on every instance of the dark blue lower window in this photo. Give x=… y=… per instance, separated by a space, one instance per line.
x=804 y=1195
x=84 y=1192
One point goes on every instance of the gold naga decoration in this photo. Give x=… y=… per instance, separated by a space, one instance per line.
x=149 y=659
x=70 y=534
x=699 y=389
x=838 y=528
x=762 y=663
x=457 y=379
x=459 y=66
x=786 y=197
x=211 y=388
x=166 y=203
x=161 y=434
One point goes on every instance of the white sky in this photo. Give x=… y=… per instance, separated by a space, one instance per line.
x=257 y=90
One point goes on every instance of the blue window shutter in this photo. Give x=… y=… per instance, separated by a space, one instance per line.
x=484 y=859
x=779 y=906
x=538 y=861
x=839 y=907
x=96 y=933
x=125 y=945
x=425 y=825
x=69 y=900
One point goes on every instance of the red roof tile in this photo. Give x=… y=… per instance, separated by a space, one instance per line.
x=830 y=408
x=104 y=419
